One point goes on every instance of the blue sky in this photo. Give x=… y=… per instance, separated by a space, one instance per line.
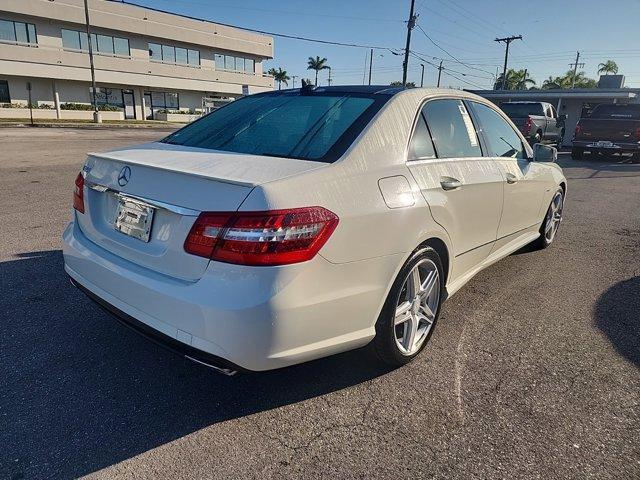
x=553 y=31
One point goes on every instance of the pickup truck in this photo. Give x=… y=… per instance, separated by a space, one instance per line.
x=611 y=128
x=538 y=121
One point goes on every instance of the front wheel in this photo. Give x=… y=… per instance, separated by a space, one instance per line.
x=552 y=220
x=411 y=310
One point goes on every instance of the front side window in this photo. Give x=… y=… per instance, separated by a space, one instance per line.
x=502 y=138
x=421 y=145
x=453 y=132
x=17 y=32
x=308 y=127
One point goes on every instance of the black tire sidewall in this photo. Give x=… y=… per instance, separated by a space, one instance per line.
x=384 y=341
x=544 y=242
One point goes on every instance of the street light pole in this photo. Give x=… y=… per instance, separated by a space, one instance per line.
x=370 y=64
x=96 y=112
x=439 y=72
x=422 y=76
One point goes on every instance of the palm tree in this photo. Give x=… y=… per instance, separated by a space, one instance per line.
x=608 y=67
x=515 y=80
x=317 y=64
x=399 y=84
x=280 y=76
x=566 y=81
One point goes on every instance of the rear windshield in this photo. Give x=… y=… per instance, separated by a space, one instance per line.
x=314 y=126
x=515 y=110
x=617 y=111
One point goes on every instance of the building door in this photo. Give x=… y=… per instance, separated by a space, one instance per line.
x=148 y=111
x=129 y=104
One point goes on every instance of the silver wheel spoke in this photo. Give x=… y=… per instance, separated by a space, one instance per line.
x=427 y=313
x=403 y=313
x=410 y=330
x=427 y=286
x=414 y=283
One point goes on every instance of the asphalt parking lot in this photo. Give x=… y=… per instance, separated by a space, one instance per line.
x=533 y=371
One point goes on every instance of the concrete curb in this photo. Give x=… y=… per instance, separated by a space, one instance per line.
x=93 y=126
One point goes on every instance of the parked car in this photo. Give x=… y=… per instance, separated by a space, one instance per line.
x=538 y=121
x=295 y=224
x=611 y=128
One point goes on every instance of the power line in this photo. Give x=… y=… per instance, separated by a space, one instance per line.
x=273 y=34
x=445 y=51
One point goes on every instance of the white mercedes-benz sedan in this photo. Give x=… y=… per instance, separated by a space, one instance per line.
x=296 y=224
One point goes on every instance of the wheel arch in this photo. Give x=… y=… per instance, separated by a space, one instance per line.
x=443 y=252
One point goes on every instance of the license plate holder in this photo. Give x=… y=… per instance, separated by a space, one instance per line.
x=134 y=218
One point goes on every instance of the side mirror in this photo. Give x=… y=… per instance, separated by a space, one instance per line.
x=544 y=153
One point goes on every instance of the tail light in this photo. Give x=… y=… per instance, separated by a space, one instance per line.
x=578 y=131
x=275 y=237
x=528 y=123
x=78 y=194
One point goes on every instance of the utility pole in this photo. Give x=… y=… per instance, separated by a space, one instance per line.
x=422 y=76
x=96 y=112
x=507 y=41
x=293 y=77
x=575 y=69
x=370 y=64
x=410 y=24
x=329 y=79
x=439 y=72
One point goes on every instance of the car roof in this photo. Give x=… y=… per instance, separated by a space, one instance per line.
x=342 y=89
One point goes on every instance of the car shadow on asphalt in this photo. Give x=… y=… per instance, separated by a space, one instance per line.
x=80 y=392
x=617 y=315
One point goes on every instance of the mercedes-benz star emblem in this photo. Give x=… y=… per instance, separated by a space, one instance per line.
x=125 y=175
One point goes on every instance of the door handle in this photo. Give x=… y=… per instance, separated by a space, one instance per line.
x=450 y=183
x=511 y=178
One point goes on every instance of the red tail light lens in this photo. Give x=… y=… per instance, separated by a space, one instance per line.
x=527 y=126
x=578 y=130
x=275 y=237
x=78 y=194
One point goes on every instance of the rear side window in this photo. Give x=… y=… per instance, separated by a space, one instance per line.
x=617 y=111
x=502 y=139
x=309 y=127
x=453 y=132
x=515 y=110
x=421 y=145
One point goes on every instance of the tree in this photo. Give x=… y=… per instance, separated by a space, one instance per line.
x=515 y=80
x=608 y=67
x=566 y=81
x=280 y=76
x=317 y=64
x=399 y=84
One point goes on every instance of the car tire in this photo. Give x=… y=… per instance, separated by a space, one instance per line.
x=552 y=220
x=577 y=153
x=397 y=342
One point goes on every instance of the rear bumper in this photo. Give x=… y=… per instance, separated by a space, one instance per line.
x=238 y=317
x=615 y=147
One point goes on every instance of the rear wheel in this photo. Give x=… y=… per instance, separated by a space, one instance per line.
x=577 y=153
x=411 y=310
x=552 y=220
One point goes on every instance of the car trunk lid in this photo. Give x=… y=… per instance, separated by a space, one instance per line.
x=170 y=185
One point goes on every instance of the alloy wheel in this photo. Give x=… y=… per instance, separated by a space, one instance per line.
x=417 y=307
x=554 y=217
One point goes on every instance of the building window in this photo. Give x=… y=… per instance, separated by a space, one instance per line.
x=102 y=44
x=4 y=92
x=107 y=96
x=18 y=32
x=234 y=64
x=174 y=55
x=164 y=100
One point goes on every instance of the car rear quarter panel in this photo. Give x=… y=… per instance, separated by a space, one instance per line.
x=368 y=228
